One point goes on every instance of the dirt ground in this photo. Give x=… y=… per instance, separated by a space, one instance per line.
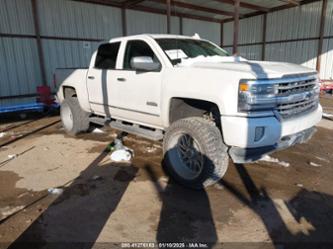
x=263 y=204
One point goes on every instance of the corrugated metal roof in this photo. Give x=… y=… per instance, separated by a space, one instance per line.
x=16 y=17
x=141 y=22
x=198 y=13
x=250 y=31
x=62 y=54
x=179 y=10
x=74 y=19
x=301 y=22
x=214 y=5
x=327 y=60
x=299 y=52
x=266 y=3
x=329 y=19
x=252 y=52
x=206 y=30
x=19 y=71
x=119 y=1
x=326 y=71
x=217 y=5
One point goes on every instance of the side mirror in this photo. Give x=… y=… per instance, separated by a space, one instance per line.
x=144 y=63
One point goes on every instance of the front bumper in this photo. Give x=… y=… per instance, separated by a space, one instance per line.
x=245 y=155
x=240 y=133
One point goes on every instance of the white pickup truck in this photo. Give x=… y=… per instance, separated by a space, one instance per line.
x=203 y=103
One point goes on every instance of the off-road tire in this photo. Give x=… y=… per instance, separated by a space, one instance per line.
x=213 y=150
x=79 y=119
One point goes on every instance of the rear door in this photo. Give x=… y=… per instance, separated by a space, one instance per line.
x=101 y=77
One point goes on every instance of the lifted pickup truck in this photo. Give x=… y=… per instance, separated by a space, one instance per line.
x=203 y=103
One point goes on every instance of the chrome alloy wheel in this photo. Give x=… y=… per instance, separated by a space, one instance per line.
x=67 y=117
x=187 y=156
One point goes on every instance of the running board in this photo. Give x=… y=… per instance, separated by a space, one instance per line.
x=152 y=134
x=99 y=120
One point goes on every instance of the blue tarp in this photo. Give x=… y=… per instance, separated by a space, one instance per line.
x=26 y=107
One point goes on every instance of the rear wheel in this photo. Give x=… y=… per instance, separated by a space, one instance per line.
x=194 y=153
x=74 y=119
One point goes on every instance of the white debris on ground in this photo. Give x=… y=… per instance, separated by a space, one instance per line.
x=267 y=158
x=120 y=152
x=323 y=159
x=327 y=115
x=300 y=185
x=2 y=134
x=163 y=179
x=151 y=149
x=98 y=131
x=121 y=155
x=218 y=186
x=315 y=164
x=12 y=156
x=55 y=191
x=162 y=184
x=96 y=178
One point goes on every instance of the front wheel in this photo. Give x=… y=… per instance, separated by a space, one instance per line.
x=74 y=119
x=194 y=152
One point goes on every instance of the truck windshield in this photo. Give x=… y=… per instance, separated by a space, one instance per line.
x=177 y=49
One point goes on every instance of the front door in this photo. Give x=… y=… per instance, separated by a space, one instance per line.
x=135 y=95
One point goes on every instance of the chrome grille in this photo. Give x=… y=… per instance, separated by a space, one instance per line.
x=301 y=95
x=295 y=108
x=296 y=87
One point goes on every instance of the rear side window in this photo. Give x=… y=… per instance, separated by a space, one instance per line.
x=107 y=56
x=137 y=48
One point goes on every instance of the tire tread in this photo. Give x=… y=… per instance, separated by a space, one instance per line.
x=216 y=152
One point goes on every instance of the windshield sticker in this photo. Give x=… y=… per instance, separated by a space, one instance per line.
x=176 y=54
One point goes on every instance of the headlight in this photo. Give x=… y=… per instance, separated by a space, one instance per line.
x=254 y=96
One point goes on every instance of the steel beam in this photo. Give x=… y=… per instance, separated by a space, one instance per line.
x=274 y=9
x=264 y=29
x=181 y=25
x=38 y=40
x=236 y=27
x=195 y=7
x=221 y=34
x=293 y=2
x=321 y=34
x=130 y=3
x=124 y=21
x=177 y=14
x=245 y=5
x=168 y=14
x=150 y=9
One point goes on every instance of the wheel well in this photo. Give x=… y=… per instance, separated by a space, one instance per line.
x=69 y=92
x=185 y=107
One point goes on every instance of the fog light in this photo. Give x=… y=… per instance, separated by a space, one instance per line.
x=259 y=133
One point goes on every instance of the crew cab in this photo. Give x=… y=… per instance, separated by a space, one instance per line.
x=206 y=105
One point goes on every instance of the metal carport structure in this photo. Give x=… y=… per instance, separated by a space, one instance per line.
x=36 y=36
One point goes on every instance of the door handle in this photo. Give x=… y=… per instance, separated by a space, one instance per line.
x=121 y=79
x=91 y=77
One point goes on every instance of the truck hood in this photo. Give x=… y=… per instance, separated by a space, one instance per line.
x=257 y=69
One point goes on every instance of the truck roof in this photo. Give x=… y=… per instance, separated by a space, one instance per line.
x=155 y=36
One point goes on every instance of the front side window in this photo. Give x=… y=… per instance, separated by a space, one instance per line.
x=137 y=48
x=177 y=49
x=107 y=56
